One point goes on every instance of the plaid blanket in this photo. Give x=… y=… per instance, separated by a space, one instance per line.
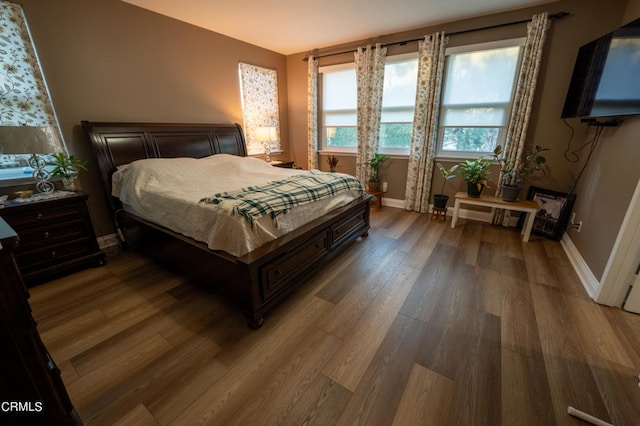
x=279 y=196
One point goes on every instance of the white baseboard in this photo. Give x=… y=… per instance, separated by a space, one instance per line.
x=107 y=241
x=393 y=202
x=586 y=277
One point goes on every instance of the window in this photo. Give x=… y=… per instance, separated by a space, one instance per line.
x=398 y=100
x=477 y=96
x=339 y=104
x=25 y=107
x=259 y=94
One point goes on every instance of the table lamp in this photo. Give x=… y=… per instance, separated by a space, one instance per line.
x=266 y=135
x=34 y=140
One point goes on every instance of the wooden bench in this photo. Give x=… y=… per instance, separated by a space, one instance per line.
x=529 y=207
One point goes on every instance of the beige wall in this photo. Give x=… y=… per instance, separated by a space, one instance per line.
x=106 y=60
x=605 y=191
x=632 y=12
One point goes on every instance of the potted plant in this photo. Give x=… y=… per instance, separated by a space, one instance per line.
x=515 y=173
x=332 y=161
x=476 y=174
x=374 y=177
x=440 y=200
x=67 y=167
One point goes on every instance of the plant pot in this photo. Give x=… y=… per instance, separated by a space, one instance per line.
x=473 y=191
x=440 y=201
x=374 y=186
x=510 y=192
x=69 y=183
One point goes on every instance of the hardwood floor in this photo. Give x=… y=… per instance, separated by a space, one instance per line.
x=417 y=324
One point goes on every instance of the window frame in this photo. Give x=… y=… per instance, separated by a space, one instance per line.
x=322 y=142
x=498 y=44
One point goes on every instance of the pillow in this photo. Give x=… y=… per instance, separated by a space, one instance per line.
x=116 y=179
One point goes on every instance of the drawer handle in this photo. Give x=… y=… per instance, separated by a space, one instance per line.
x=318 y=245
x=278 y=272
x=53 y=254
x=45 y=235
x=39 y=216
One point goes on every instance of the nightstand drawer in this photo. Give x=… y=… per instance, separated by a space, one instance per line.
x=51 y=234
x=43 y=216
x=29 y=261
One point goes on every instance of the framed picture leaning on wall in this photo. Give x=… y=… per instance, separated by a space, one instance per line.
x=553 y=216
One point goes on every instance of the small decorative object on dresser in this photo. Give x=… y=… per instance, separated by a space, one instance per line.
x=56 y=234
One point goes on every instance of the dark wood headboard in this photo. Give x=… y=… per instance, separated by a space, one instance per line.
x=115 y=144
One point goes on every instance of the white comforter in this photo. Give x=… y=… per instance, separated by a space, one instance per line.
x=167 y=192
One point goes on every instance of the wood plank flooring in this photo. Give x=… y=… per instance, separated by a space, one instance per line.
x=417 y=324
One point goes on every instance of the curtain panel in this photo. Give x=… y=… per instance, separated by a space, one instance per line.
x=370 y=81
x=312 y=114
x=425 y=122
x=523 y=100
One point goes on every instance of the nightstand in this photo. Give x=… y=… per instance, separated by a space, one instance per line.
x=283 y=164
x=56 y=235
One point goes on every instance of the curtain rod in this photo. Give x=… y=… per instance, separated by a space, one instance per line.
x=558 y=15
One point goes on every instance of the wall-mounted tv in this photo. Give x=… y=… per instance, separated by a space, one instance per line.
x=606 y=76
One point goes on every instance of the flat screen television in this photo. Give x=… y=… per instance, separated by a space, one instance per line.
x=606 y=76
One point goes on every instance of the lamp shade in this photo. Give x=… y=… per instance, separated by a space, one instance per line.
x=265 y=134
x=29 y=140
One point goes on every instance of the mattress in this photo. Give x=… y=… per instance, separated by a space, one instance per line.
x=167 y=192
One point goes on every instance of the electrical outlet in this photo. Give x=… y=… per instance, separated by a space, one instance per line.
x=384 y=186
x=579 y=226
x=573 y=217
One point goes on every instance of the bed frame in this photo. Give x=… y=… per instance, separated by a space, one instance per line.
x=255 y=281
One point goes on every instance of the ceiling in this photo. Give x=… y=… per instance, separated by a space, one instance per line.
x=294 y=26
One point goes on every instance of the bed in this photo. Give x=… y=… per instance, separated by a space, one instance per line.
x=256 y=277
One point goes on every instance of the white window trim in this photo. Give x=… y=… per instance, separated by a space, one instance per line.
x=337 y=67
x=498 y=44
x=489 y=45
x=393 y=152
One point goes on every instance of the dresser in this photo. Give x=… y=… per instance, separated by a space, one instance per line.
x=56 y=236
x=31 y=389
